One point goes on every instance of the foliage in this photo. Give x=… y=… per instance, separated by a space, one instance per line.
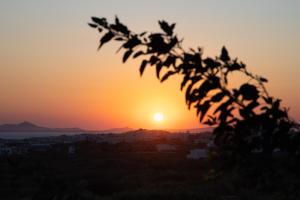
x=246 y=118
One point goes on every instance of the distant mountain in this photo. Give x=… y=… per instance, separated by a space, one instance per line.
x=30 y=127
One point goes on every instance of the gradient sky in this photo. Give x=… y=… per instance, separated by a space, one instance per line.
x=52 y=75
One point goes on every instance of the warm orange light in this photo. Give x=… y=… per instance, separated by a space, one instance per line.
x=158 y=117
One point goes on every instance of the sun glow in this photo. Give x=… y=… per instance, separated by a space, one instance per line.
x=158 y=117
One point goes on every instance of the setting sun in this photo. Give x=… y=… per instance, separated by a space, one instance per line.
x=158 y=117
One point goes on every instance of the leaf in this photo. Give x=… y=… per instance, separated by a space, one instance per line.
x=184 y=81
x=100 y=21
x=158 y=68
x=143 y=33
x=218 y=97
x=167 y=75
x=188 y=91
x=166 y=27
x=117 y=21
x=264 y=80
x=153 y=60
x=234 y=66
x=126 y=55
x=119 y=39
x=224 y=55
x=131 y=43
x=249 y=92
x=143 y=66
x=223 y=106
x=106 y=38
x=170 y=60
x=203 y=109
x=118 y=26
x=138 y=54
x=211 y=63
x=93 y=25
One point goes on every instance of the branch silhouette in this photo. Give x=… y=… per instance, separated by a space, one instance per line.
x=246 y=118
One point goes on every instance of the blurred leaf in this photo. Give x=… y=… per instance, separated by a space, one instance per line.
x=119 y=27
x=168 y=29
x=153 y=60
x=224 y=55
x=203 y=109
x=184 y=81
x=143 y=33
x=119 y=39
x=249 y=92
x=93 y=25
x=100 y=21
x=137 y=54
x=218 y=97
x=223 y=106
x=106 y=38
x=211 y=63
x=169 y=61
x=158 y=68
x=264 y=80
x=126 y=55
x=131 y=43
x=143 y=66
x=117 y=21
x=167 y=75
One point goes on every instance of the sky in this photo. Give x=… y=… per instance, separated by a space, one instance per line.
x=52 y=74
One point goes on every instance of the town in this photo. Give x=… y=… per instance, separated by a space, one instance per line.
x=138 y=140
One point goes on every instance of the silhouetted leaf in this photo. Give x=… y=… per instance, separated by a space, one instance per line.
x=188 y=91
x=143 y=33
x=166 y=27
x=203 y=109
x=268 y=100
x=170 y=60
x=93 y=25
x=143 y=66
x=131 y=43
x=235 y=66
x=100 y=21
x=184 y=81
x=262 y=79
x=119 y=39
x=224 y=55
x=119 y=27
x=211 y=63
x=158 y=68
x=126 y=55
x=137 y=54
x=223 y=106
x=167 y=75
x=106 y=38
x=153 y=60
x=249 y=92
x=218 y=97
x=117 y=21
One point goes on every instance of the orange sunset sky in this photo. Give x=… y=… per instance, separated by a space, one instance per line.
x=51 y=73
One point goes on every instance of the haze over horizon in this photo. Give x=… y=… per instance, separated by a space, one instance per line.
x=52 y=75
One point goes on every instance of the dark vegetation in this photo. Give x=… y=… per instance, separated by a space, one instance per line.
x=248 y=121
x=133 y=171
